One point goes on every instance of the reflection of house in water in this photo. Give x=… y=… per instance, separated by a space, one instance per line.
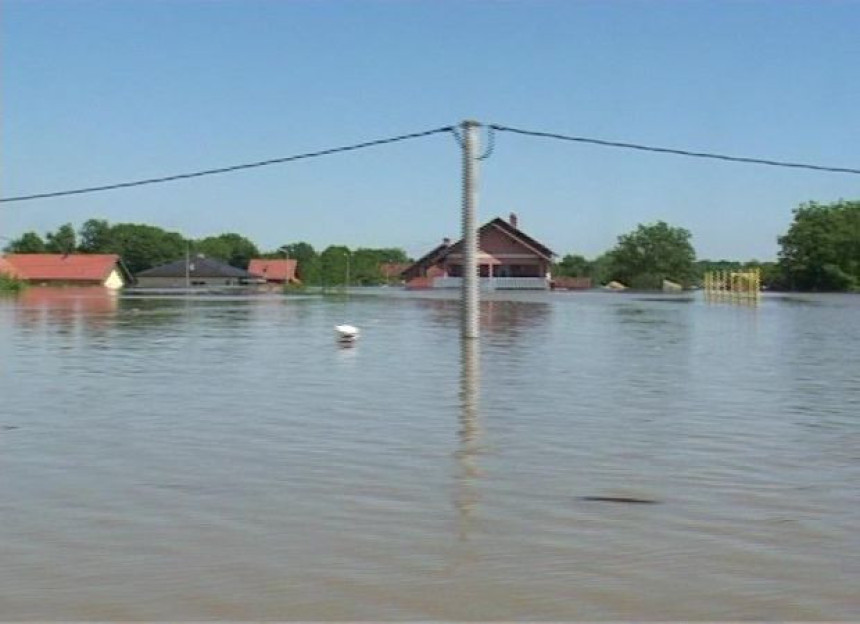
x=508 y=259
x=67 y=307
x=497 y=316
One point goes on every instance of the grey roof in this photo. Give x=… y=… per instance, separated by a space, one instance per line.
x=197 y=267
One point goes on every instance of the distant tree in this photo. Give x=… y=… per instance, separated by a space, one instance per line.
x=63 y=241
x=821 y=250
x=573 y=266
x=145 y=246
x=367 y=266
x=394 y=255
x=336 y=266
x=651 y=253
x=232 y=248
x=95 y=237
x=307 y=261
x=600 y=268
x=28 y=243
x=771 y=275
x=10 y=284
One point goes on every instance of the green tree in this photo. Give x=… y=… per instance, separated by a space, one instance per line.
x=651 y=253
x=366 y=267
x=821 y=250
x=145 y=246
x=335 y=266
x=573 y=265
x=772 y=277
x=29 y=242
x=600 y=268
x=232 y=248
x=10 y=284
x=95 y=237
x=307 y=262
x=63 y=241
x=393 y=255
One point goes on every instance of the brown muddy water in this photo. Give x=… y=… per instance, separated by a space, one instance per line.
x=596 y=456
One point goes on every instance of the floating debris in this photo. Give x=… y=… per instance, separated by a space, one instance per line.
x=346 y=333
x=620 y=499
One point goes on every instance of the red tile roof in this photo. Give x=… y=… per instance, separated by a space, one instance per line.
x=393 y=269
x=274 y=270
x=63 y=267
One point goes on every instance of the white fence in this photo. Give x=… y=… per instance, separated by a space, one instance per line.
x=496 y=283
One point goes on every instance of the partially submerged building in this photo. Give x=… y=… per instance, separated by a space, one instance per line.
x=275 y=271
x=508 y=258
x=196 y=272
x=106 y=270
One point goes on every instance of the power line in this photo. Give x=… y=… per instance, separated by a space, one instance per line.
x=677 y=152
x=207 y=172
x=454 y=131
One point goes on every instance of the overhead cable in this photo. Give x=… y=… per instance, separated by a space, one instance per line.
x=677 y=152
x=230 y=169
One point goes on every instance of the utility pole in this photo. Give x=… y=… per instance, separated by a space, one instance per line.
x=469 y=296
x=187 y=264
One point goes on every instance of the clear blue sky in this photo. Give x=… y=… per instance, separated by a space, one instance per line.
x=97 y=92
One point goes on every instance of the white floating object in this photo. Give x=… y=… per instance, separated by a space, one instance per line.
x=346 y=333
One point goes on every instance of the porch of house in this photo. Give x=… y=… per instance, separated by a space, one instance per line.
x=495 y=283
x=498 y=273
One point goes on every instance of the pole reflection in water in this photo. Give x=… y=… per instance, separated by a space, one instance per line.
x=466 y=496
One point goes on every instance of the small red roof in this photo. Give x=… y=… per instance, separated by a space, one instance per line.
x=393 y=269
x=274 y=270
x=63 y=267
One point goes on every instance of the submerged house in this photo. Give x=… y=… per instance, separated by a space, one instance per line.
x=275 y=271
x=508 y=258
x=106 y=270
x=196 y=272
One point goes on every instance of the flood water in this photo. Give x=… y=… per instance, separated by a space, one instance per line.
x=223 y=458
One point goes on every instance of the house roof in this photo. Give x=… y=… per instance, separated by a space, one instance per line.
x=516 y=233
x=512 y=231
x=280 y=270
x=65 y=267
x=393 y=269
x=197 y=267
x=431 y=257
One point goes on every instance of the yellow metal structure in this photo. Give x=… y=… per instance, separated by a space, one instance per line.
x=733 y=286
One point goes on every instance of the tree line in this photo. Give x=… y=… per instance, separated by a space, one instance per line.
x=144 y=246
x=819 y=252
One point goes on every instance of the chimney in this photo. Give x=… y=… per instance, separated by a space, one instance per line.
x=513 y=219
x=446 y=241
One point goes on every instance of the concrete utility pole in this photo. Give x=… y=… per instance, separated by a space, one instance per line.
x=469 y=295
